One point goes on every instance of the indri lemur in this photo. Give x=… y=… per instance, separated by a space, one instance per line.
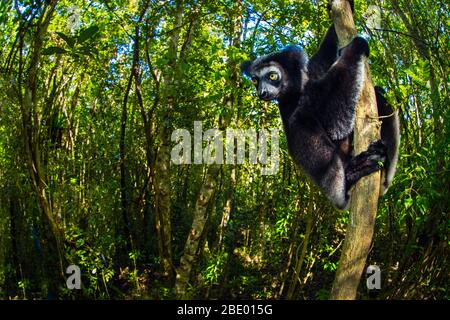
x=317 y=99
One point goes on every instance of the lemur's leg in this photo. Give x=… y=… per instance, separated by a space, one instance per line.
x=335 y=97
x=328 y=162
x=324 y=58
x=333 y=182
x=336 y=94
x=319 y=156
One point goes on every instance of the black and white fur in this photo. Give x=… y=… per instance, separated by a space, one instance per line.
x=317 y=100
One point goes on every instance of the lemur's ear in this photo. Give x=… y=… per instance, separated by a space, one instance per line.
x=245 y=67
x=295 y=53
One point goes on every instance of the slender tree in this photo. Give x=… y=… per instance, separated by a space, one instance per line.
x=364 y=201
x=162 y=164
x=32 y=126
x=210 y=181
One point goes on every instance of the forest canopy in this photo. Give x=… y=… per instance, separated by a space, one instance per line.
x=95 y=97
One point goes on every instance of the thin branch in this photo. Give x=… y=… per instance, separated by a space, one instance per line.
x=397 y=32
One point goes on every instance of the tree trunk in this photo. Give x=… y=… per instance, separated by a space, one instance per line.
x=124 y=192
x=198 y=225
x=365 y=195
x=226 y=210
x=122 y=152
x=299 y=263
x=162 y=164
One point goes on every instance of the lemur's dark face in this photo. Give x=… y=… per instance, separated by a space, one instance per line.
x=278 y=75
x=269 y=80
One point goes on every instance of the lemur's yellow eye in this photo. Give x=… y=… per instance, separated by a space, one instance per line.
x=254 y=81
x=273 y=76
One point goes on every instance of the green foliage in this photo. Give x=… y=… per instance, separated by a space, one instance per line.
x=53 y=50
x=76 y=44
x=214 y=270
x=86 y=34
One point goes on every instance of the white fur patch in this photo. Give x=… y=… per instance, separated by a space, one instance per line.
x=305 y=78
x=263 y=71
x=388 y=175
x=333 y=184
x=359 y=80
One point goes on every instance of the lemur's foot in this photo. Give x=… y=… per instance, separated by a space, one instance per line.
x=377 y=151
x=367 y=162
x=360 y=46
x=357 y=48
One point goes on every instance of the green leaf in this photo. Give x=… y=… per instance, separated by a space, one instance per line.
x=68 y=39
x=53 y=50
x=408 y=203
x=89 y=51
x=87 y=33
